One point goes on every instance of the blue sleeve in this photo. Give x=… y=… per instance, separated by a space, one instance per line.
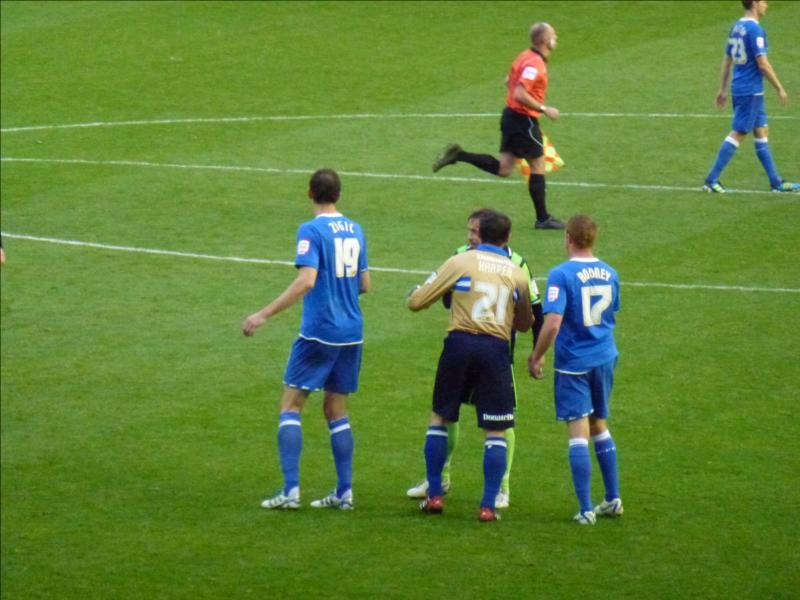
x=555 y=296
x=728 y=45
x=363 y=263
x=760 y=42
x=308 y=249
x=756 y=41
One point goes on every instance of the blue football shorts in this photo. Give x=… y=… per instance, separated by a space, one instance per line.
x=475 y=369
x=748 y=113
x=316 y=366
x=583 y=395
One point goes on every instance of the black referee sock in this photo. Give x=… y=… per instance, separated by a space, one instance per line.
x=485 y=162
x=536 y=190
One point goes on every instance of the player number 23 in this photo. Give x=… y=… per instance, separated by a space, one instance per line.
x=347 y=251
x=593 y=308
x=738 y=54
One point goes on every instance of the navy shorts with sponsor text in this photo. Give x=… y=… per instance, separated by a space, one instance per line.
x=475 y=368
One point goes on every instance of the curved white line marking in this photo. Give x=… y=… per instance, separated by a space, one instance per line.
x=256 y=118
x=265 y=261
x=234 y=168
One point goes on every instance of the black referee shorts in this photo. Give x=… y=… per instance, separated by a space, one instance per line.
x=521 y=135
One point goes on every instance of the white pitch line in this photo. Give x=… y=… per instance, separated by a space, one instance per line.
x=266 y=261
x=357 y=116
x=235 y=259
x=487 y=180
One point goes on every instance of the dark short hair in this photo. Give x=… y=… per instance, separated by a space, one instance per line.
x=495 y=227
x=478 y=213
x=748 y=4
x=325 y=186
x=582 y=231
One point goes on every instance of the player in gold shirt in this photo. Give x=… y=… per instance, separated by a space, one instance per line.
x=420 y=490
x=491 y=298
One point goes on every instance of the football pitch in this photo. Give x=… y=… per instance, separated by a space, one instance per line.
x=155 y=158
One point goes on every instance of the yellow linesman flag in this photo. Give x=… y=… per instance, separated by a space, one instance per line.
x=552 y=160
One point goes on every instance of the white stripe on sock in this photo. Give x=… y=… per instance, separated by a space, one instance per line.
x=288 y=422
x=340 y=428
x=578 y=442
x=490 y=443
x=731 y=140
x=761 y=140
x=437 y=432
x=602 y=436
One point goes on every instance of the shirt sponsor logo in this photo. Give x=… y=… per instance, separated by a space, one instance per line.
x=303 y=246
x=552 y=293
x=760 y=42
x=530 y=73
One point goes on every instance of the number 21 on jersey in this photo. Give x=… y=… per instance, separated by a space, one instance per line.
x=492 y=304
x=347 y=251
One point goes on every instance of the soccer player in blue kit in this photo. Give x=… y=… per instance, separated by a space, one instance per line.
x=581 y=298
x=332 y=271
x=746 y=52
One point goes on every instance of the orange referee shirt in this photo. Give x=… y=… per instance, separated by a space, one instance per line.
x=529 y=70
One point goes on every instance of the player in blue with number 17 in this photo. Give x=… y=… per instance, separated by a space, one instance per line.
x=746 y=52
x=332 y=272
x=580 y=302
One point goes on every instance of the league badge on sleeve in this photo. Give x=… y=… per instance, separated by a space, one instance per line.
x=552 y=293
x=302 y=247
x=529 y=73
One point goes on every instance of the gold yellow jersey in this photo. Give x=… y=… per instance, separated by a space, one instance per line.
x=489 y=291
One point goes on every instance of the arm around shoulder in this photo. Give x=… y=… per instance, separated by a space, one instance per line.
x=523 y=314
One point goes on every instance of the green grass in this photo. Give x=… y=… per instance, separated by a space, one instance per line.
x=138 y=424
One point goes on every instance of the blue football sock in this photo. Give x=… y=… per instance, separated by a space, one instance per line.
x=606 y=453
x=494 y=466
x=581 y=466
x=765 y=156
x=726 y=152
x=435 y=457
x=342 y=446
x=290 y=443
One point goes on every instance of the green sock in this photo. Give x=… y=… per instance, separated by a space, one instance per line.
x=510 y=438
x=452 y=440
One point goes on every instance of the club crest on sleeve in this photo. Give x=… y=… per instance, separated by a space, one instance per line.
x=303 y=247
x=552 y=293
x=760 y=42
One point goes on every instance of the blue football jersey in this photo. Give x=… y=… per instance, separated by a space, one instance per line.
x=746 y=41
x=333 y=245
x=586 y=293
